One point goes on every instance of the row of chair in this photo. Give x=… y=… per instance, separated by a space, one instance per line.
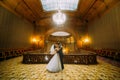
x=108 y=53
x=10 y=53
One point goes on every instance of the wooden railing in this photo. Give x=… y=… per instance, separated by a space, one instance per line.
x=31 y=58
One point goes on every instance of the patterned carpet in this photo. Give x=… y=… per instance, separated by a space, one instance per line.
x=13 y=69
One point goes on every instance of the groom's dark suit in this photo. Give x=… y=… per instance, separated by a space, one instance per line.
x=60 y=52
x=61 y=57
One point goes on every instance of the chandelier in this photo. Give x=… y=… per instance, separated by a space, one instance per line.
x=59 y=18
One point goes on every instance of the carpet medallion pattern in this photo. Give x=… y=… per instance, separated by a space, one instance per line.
x=13 y=69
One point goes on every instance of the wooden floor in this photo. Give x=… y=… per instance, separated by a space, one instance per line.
x=13 y=69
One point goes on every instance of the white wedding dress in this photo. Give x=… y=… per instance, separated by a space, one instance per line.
x=54 y=64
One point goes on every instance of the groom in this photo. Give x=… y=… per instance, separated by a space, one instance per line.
x=60 y=52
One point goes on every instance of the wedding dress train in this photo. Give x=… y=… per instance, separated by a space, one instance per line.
x=54 y=64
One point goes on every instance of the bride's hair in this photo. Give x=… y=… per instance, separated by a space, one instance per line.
x=57 y=43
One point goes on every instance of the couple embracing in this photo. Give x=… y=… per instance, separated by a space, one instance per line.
x=56 y=62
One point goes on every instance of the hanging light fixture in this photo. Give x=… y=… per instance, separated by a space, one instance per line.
x=59 y=17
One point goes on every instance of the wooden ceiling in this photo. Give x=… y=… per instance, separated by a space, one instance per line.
x=32 y=10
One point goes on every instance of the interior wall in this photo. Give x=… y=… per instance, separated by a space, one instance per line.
x=105 y=31
x=15 y=32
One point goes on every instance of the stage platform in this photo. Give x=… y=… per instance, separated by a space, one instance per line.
x=79 y=58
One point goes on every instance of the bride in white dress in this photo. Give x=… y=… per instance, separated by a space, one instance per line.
x=54 y=64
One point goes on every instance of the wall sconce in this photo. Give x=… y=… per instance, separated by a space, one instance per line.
x=86 y=40
x=34 y=40
x=37 y=41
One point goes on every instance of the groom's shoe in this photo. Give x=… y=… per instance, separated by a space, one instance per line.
x=62 y=67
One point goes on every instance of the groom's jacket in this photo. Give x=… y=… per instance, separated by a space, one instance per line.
x=60 y=52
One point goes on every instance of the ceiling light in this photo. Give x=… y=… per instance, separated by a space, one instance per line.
x=59 y=18
x=60 y=33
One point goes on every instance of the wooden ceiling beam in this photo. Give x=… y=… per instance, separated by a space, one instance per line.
x=31 y=11
x=83 y=17
x=25 y=12
x=94 y=11
x=108 y=6
x=8 y=8
x=34 y=11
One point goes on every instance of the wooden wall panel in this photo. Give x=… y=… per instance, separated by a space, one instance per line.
x=105 y=31
x=15 y=32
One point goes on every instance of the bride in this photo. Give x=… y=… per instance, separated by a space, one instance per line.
x=54 y=64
